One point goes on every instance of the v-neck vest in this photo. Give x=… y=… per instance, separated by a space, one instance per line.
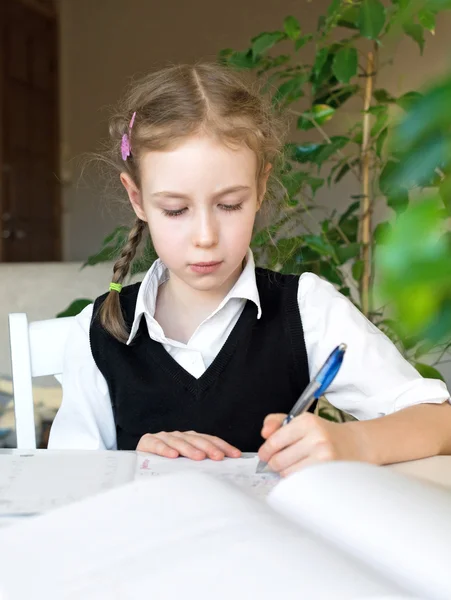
x=262 y=368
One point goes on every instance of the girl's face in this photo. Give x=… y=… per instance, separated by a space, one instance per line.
x=200 y=200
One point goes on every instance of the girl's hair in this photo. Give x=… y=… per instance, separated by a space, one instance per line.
x=171 y=105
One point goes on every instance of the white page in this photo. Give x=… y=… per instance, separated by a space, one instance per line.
x=38 y=481
x=399 y=525
x=186 y=536
x=239 y=471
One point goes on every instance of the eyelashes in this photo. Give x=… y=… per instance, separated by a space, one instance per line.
x=181 y=211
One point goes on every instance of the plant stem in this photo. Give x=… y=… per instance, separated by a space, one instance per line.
x=365 y=203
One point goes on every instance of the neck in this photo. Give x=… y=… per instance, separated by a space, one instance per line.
x=186 y=298
x=181 y=308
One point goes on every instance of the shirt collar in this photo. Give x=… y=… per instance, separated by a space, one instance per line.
x=245 y=288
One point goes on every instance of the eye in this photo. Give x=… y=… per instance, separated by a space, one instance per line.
x=174 y=213
x=231 y=207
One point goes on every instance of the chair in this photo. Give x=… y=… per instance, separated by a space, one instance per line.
x=36 y=349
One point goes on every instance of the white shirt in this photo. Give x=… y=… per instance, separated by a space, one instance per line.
x=374 y=380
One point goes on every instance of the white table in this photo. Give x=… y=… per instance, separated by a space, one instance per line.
x=88 y=472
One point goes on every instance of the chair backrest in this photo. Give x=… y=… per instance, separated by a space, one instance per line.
x=36 y=349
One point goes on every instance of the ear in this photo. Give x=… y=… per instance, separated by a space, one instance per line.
x=262 y=184
x=134 y=195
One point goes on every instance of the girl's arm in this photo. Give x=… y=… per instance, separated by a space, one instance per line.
x=412 y=433
x=402 y=415
x=85 y=418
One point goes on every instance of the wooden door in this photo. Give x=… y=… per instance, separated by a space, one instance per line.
x=30 y=228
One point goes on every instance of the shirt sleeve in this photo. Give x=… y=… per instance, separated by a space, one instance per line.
x=375 y=379
x=85 y=419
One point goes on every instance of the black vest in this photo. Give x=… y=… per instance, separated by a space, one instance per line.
x=261 y=369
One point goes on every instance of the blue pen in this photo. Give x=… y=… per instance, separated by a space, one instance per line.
x=314 y=390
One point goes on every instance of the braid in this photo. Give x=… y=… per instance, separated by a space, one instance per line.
x=111 y=316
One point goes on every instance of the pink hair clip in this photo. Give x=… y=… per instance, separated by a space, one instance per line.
x=126 y=148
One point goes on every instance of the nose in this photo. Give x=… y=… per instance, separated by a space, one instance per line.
x=205 y=234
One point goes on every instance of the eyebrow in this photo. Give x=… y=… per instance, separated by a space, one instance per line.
x=224 y=192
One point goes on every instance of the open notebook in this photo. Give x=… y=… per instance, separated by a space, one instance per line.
x=335 y=531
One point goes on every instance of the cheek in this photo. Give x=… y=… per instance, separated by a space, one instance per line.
x=239 y=229
x=167 y=236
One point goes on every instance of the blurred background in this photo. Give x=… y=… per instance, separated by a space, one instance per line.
x=64 y=63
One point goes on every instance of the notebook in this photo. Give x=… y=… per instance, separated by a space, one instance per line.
x=334 y=531
x=38 y=481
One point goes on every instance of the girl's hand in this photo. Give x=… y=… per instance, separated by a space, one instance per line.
x=307 y=440
x=190 y=444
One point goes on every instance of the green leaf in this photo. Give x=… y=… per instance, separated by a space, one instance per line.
x=418 y=166
x=349 y=18
x=383 y=96
x=330 y=273
x=303 y=153
x=428 y=371
x=345 y=168
x=302 y=41
x=345 y=253
x=416 y=32
x=408 y=100
x=445 y=193
x=357 y=270
x=315 y=184
x=320 y=245
x=336 y=97
x=242 y=60
x=265 y=41
x=292 y=28
x=371 y=18
x=290 y=90
x=386 y=185
x=107 y=254
x=319 y=114
x=74 y=308
x=119 y=236
x=381 y=232
x=293 y=182
x=320 y=61
x=423 y=349
x=333 y=8
x=381 y=141
x=345 y=63
x=349 y=212
x=328 y=150
x=380 y=123
x=398 y=200
x=427 y=19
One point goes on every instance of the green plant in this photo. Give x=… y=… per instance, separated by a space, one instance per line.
x=303 y=235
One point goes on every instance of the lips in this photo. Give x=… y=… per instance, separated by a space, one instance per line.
x=205 y=267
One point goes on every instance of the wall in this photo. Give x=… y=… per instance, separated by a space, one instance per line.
x=105 y=42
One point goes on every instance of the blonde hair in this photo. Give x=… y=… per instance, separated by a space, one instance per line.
x=171 y=105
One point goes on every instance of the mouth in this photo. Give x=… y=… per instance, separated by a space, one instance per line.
x=205 y=267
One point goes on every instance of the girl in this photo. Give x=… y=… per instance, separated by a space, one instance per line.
x=206 y=356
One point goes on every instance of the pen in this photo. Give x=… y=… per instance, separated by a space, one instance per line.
x=314 y=390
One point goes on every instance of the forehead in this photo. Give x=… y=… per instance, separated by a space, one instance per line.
x=199 y=161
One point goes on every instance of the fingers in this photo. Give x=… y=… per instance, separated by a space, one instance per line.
x=152 y=444
x=228 y=450
x=271 y=424
x=196 y=446
x=284 y=436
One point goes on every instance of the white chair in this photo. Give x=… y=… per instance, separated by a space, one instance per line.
x=36 y=349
